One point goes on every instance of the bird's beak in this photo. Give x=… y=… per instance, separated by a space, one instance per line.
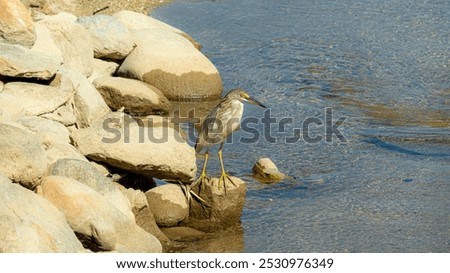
x=255 y=102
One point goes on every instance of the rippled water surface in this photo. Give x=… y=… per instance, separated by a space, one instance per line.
x=385 y=67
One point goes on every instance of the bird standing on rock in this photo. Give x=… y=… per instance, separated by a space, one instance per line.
x=219 y=124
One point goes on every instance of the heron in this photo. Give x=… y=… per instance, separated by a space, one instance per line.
x=218 y=125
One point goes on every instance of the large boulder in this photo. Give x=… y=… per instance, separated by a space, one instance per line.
x=22 y=159
x=36 y=99
x=45 y=43
x=74 y=41
x=134 y=20
x=87 y=174
x=99 y=223
x=21 y=62
x=29 y=223
x=89 y=105
x=173 y=65
x=48 y=132
x=16 y=24
x=120 y=141
x=168 y=204
x=111 y=38
x=137 y=98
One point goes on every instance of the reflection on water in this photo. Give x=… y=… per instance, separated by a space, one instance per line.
x=385 y=66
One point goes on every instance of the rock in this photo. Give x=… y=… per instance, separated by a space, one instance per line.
x=120 y=142
x=134 y=20
x=111 y=38
x=63 y=114
x=60 y=6
x=18 y=61
x=75 y=44
x=170 y=63
x=28 y=223
x=103 y=69
x=137 y=98
x=59 y=151
x=144 y=216
x=45 y=44
x=168 y=204
x=89 y=105
x=36 y=99
x=101 y=225
x=266 y=171
x=87 y=174
x=225 y=206
x=23 y=158
x=183 y=234
x=48 y=132
x=16 y=24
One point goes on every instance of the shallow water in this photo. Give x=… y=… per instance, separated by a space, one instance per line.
x=382 y=65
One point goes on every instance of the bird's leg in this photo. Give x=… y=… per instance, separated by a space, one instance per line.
x=189 y=190
x=203 y=173
x=223 y=176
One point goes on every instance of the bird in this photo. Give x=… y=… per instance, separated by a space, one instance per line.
x=218 y=125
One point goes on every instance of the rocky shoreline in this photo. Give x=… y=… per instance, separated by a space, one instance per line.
x=84 y=129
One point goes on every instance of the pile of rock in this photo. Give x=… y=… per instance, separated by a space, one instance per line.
x=61 y=79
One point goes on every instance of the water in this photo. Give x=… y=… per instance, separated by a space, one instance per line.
x=385 y=67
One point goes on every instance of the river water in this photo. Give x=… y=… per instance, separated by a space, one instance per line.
x=383 y=68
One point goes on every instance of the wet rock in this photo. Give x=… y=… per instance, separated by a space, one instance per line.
x=225 y=207
x=29 y=223
x=144 y=216
x=120 y=142
x=35 y=99
x=170 y=63
x=74 y=42
x=111 y=38
x=16 y=24
x=137 y=98
x=89 y=106
x=168 y=204
x=85 y=173
x=266 y=171
x=103 y=69
x=134 y=20
x=22 y=159
x=18 y=61
x=99 y=223
x=183 y=234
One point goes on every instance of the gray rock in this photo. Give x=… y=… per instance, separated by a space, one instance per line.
x=225 y=206
x=18 y=61
x=168 y=204
x=36 y=99
x=137 y=98
x=87 y=174
x=75 y=43
x=16 y=24
x=172 y=64
x=111 y=38
x=29 y=223
x=94 y=218
x=23 y=158
x=155 y=151
x=266 y=171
